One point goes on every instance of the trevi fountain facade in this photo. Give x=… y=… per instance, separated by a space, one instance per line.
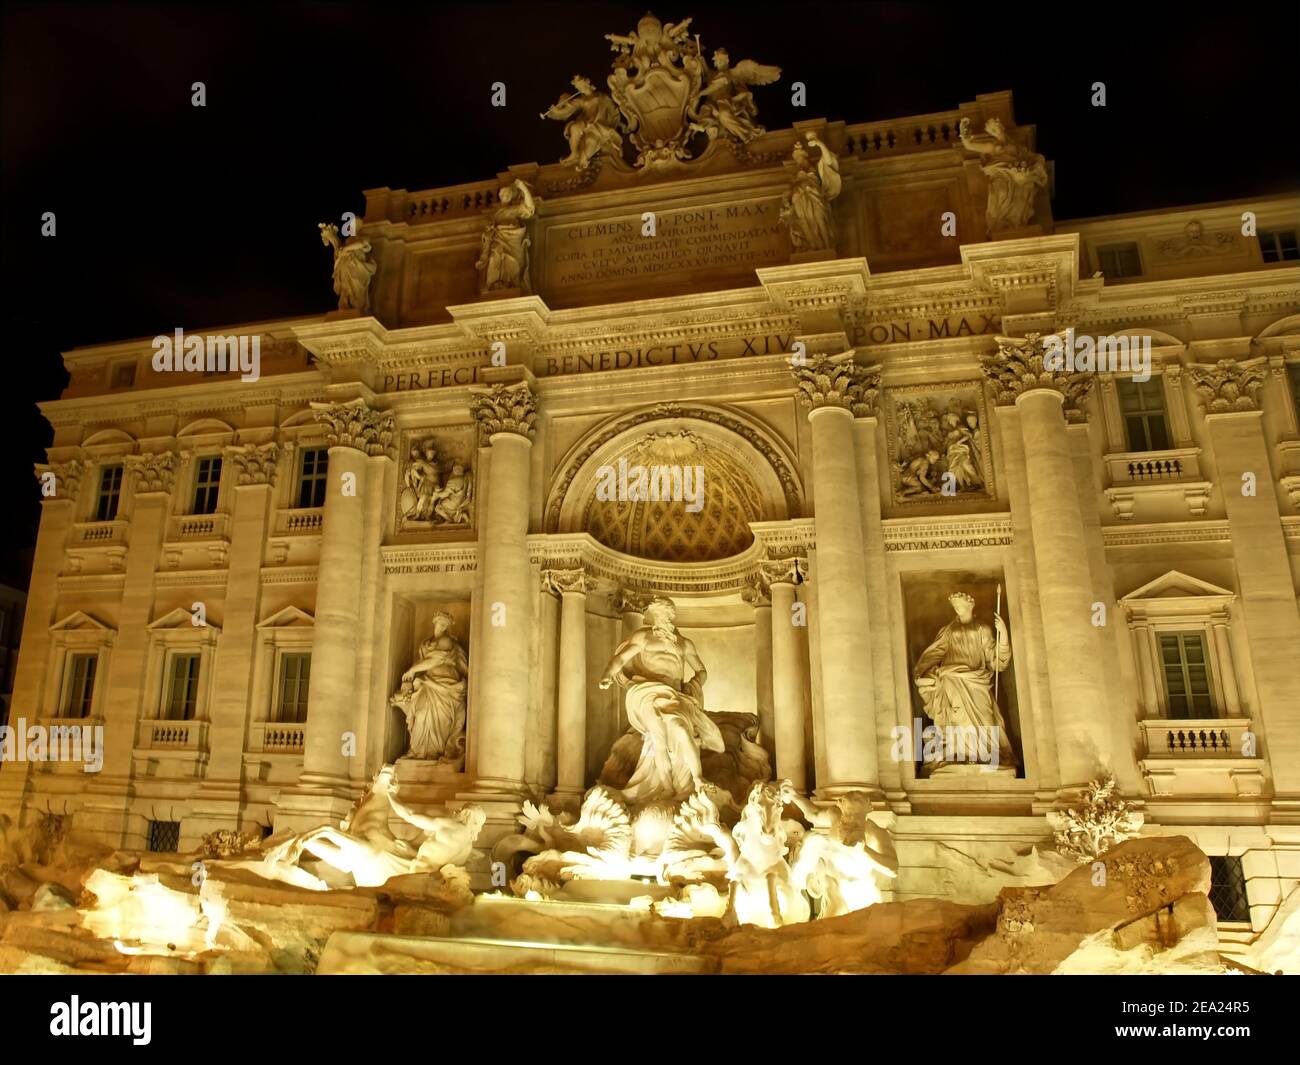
x=698 y=528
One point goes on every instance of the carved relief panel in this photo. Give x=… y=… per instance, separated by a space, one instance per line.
x=938 y=443
x=435 y=485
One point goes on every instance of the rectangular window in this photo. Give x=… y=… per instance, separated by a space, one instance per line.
x=311 y=477
x=1142 y=406
x=79 y=685
x=1278 y=245
x=1187 y=675
x=182 y=687
x=164 y=836
x=207 y=482
x=291 y=697
x=1119 y=260
x=123 y=375
x=1228 y=889
x=110 y=493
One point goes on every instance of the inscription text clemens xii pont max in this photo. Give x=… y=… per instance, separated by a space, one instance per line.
x=693 y=238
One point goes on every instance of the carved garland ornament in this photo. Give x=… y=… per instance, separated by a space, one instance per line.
x=1018 y=367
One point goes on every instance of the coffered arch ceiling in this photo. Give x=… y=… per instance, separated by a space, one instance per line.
x=748 y=475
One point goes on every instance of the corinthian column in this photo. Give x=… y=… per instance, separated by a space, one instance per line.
x=1229 y=390
x=759 y=596
x=506 y=415
x=1044 y=400
x=354 y=432
x=836 y=390
x=788 y=680
x=571 y=714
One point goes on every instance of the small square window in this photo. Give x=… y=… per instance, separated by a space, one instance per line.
x=1119 y=260
x=164 y=837
x=1142 y=404
x=1278 y=245
x=123 y=375
x=1228 y=889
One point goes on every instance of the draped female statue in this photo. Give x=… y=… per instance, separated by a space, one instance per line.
x=432 y=697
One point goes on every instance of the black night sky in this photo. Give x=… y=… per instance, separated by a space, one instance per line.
x=170 y=215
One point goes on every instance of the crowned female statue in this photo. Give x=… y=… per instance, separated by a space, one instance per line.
x=432 y=697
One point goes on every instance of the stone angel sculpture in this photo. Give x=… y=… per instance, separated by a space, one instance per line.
x=503 y=257
x=353 y=268
x=806 y=209
x=1014 y=174
x=592 y=125
x=726 y=106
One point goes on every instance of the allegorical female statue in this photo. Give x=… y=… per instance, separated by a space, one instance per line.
x=503 y=258
x=1014 y=174
x=954 y=677
x=807 y=206
x=432 y=697
x=353 y=268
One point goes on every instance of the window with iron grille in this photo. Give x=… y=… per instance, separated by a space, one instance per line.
x=1228 y=889
x=1119 y=260
x=311 y=477
x=1278 y=245
x=182 y=687
x=1187 y=675
x=79 y=685
x=164 y=836
x=207 y=482
x=291 y=698
x=110 y=493
x=1142 y=405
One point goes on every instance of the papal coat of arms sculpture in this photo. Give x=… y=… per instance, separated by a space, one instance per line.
x=666 y=98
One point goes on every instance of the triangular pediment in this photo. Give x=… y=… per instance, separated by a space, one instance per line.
x=177 y=619
x=289 y=617
x=77 y=621
x=1178 y=585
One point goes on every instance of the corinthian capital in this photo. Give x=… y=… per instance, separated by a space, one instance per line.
x=253 y=463
x=559 y=581
x=1229 y=385
x=354 y=424
x=152 y=473
x=60 y=480
x=837 y=381
x=506 y=409
x=1018 y=366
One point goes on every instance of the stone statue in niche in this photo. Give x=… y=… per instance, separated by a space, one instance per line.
x=1014 y=174
x=955 y=678
x=806 y=209
x=427 y=497
x=665 y=705
x=592 y=125
x=837 y=863
x=365 y=847
x=938 y=449
x=432 y=697
x=503 y=257
x=353 y=268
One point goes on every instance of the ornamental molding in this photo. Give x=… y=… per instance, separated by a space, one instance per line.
x=947 y=534
x=67 y=479
x=1191 y=532
x=356 y=425
x=1017 y=367
x=560 y=581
